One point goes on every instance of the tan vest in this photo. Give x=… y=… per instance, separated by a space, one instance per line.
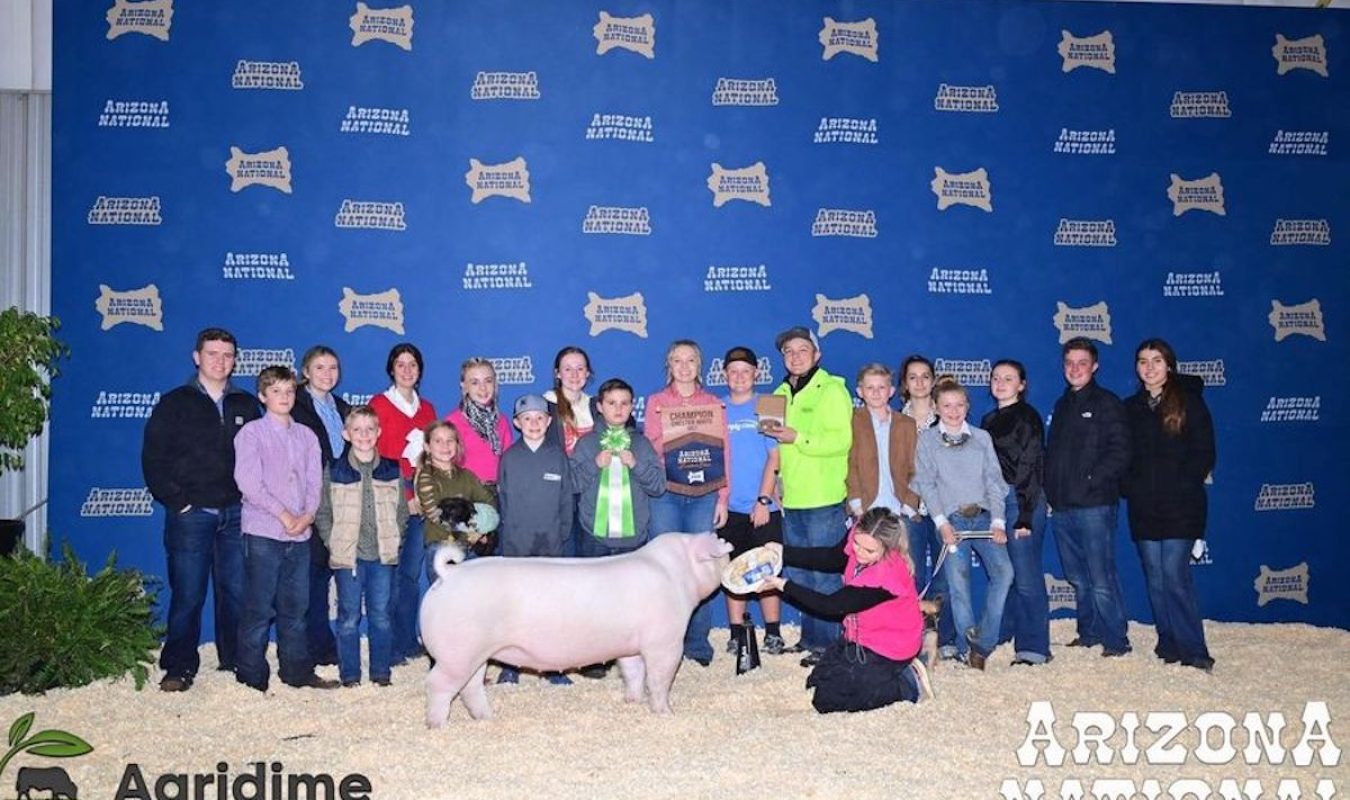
x=346 y=499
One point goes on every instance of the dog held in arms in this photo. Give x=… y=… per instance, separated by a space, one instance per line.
x=552 y=614
x=471 y=527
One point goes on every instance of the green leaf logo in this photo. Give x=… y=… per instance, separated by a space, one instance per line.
x=49 y=743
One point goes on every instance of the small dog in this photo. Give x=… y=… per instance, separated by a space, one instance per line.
x=466 y=521
x=930 y=609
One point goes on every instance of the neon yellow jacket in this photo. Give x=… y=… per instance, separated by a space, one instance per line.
x=815 y=466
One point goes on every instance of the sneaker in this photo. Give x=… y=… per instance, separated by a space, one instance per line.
x=774 y=644
x=384 y=682
x=175 y=683
x=508 y=675
x=921 y=680
x=558 y=679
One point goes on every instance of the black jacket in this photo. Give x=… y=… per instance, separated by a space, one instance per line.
x=188 y=452
x=1088 y=450
x=1165 y=484
x=1019 y=441
x=306 y=414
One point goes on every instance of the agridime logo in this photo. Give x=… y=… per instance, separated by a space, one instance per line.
x=51 y=781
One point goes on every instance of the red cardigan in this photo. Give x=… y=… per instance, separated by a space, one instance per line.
x=394 y=429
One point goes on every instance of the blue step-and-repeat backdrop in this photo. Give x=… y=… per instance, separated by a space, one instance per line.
x=969 y=180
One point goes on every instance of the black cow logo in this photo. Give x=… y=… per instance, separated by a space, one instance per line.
x=53 y=782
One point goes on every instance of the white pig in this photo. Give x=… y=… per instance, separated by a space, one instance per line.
x=556 y=613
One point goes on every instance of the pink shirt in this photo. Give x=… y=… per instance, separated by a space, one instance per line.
x=478 y=456
x=893 y=628
x=670 y=397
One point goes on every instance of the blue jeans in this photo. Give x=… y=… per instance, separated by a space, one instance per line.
x=676 y=513
x=1026 y=616
x=925 y=546
x=201 y=547
x=815 y=527
x=995 y=559
x=1086 y=538
x=374 y=582
x=318 y=628
x=407 y=594
x=276 y=587
x=1171 y=593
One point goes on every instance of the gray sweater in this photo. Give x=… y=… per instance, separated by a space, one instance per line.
x=948 y=478
x=646 y=480
x=534 y=490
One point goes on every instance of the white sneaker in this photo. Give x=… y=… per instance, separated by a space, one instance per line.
x=921 y=679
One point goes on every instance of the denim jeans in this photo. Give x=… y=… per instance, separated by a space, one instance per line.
x=318 y=627
x=1086 y=538
x=925 y=545
x=815 y=527
x=1026 y=615
x=676 y=513
x=201 y=547
x=1171 y=593
x=374 y=582
x=407 y=593
x=276 y=587
x=996 y=563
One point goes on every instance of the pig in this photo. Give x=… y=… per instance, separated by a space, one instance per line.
x=551 y=614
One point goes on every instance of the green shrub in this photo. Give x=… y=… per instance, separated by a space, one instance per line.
x=61 y=627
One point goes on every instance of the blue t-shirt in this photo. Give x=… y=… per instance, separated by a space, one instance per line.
x=749 y=450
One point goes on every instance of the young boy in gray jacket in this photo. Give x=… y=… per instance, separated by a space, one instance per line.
x=534 y=492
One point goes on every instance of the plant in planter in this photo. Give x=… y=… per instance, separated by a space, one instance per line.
x=29 y=352
x=64 y=627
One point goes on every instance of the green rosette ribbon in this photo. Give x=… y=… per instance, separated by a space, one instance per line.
x=614 y=500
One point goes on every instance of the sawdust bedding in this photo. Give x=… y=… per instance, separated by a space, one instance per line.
x=730 y=736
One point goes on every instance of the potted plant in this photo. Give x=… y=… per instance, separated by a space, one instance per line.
x=29 y=352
